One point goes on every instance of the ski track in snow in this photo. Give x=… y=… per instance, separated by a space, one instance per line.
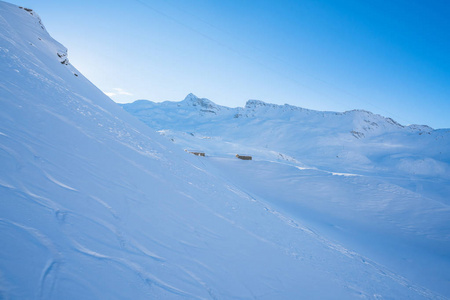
x=380 y=270
x=233 y=223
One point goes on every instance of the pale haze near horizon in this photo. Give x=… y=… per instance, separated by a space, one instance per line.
x=388 y=58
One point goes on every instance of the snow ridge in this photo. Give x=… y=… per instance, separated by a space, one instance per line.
x=352 y=141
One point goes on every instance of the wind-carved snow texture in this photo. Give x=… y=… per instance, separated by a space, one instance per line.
x=96 y=205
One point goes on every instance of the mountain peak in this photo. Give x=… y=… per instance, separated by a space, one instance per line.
x=190 y=97
x=202 y=103
x=255 y=103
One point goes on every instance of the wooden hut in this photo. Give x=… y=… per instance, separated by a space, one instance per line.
x=195 y=152
x=244 y=157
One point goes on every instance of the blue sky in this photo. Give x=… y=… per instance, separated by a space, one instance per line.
x=388 y=57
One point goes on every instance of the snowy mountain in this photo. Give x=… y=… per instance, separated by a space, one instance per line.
x=353 y=141
x=359 y=178
x=97 y=205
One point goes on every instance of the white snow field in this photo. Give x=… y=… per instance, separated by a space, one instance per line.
x=94 y=204
x=363 y=181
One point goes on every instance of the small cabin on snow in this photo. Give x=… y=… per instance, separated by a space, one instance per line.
x=244 y=157
x=197 y=153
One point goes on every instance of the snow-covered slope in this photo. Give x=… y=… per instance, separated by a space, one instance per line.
x=357 y=178
x=96 y=205
x=343 y=142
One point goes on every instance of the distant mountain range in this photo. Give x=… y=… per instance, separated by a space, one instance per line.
x=353 y=141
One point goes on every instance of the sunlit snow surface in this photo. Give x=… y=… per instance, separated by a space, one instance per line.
x=96 y=205
x=359 y=179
